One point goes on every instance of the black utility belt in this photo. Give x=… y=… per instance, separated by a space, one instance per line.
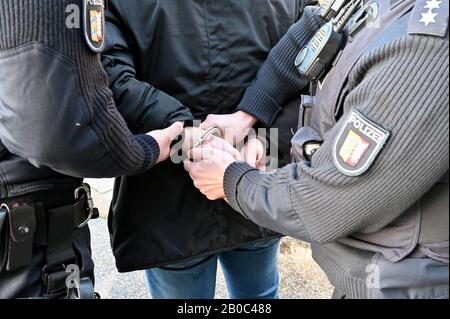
x=25 y=225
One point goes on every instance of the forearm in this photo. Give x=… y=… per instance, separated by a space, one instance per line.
x=263 y=198
x=122 y=152
x=278 y=80
x=143 y=107
x=71 y=123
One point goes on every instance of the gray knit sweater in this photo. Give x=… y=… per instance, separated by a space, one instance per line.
x=62 y=117
x=403 y=86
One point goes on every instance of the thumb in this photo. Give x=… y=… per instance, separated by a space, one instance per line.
x=207 y=123
x=173 y=131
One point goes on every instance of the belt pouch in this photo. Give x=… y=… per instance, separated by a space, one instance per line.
x=22 y=227
x=3 y=234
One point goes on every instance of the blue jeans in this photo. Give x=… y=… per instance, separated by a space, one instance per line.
x=251 y=272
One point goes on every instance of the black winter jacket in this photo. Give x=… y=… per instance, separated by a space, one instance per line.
x=176 y=60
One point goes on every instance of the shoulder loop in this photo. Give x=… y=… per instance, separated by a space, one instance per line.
x=429 y=17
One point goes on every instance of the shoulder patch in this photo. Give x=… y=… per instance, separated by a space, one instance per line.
x=358 y=144
x=429 y=17
x=94 y=24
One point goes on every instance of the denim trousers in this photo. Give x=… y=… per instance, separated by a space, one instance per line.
x=251 y=272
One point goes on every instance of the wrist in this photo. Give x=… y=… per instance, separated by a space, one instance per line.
x=151 y=149
x=247 y=119
x=233 y=175
x=192 y=123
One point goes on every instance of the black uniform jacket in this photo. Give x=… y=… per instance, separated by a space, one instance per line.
x=176 y=60
x=58 y=120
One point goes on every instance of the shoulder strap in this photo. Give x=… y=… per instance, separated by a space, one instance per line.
x=429 y=17
x=396 y=30
x=380 y=33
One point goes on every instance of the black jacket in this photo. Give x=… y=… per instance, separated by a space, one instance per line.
x=58 y=120
x=176 y=60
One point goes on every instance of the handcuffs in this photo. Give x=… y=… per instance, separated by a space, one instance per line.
x=211 y=131
x=195 y=139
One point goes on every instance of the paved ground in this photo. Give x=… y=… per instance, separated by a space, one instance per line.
x=301 y=278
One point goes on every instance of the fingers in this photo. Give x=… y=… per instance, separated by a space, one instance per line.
x=208 y=123
x=220 y=144
x=200 y=154
x=189 y=167
x=253 y=152
x=251 y=160
x=173 y=131
x=230 y=149
x=207 y=167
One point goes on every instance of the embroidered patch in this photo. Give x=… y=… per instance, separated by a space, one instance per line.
x=94 y=24
x=358 y=144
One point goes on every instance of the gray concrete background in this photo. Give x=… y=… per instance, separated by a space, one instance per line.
x=301 y=278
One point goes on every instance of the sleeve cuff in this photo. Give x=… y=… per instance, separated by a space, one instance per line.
x=233 y=176
x=151 y=151
x=260 y=105
x=187 y=117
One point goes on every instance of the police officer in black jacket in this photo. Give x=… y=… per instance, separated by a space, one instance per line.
x=58 y=124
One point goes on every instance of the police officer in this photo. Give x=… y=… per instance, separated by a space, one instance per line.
x=369 y=188
x=58 y=124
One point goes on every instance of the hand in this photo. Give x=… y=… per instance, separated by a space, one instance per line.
x=253 y=153
x=235 y=127
x=220 y=144
x=164 y=138
x=207 y=170
x=191 y=137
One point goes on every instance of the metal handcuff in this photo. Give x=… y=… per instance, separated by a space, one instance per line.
x=214 y=130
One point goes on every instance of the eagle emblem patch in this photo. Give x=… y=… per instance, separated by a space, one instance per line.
x=358 y=144
x=94 y=24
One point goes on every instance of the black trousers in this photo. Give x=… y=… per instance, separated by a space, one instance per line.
x=27 y=282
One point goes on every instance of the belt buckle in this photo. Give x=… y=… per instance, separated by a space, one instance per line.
x=87 y=190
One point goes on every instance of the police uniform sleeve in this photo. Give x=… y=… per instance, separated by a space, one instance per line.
x=56 y=109
x=143 y=107
x=277 y=82
x=403 y=92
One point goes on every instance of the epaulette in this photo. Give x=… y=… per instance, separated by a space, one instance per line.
x=429 y=17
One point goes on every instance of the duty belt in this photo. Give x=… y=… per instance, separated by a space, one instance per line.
x=25 y=225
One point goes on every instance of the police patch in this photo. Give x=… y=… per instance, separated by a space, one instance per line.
x=94 y=24
x=358 y=144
